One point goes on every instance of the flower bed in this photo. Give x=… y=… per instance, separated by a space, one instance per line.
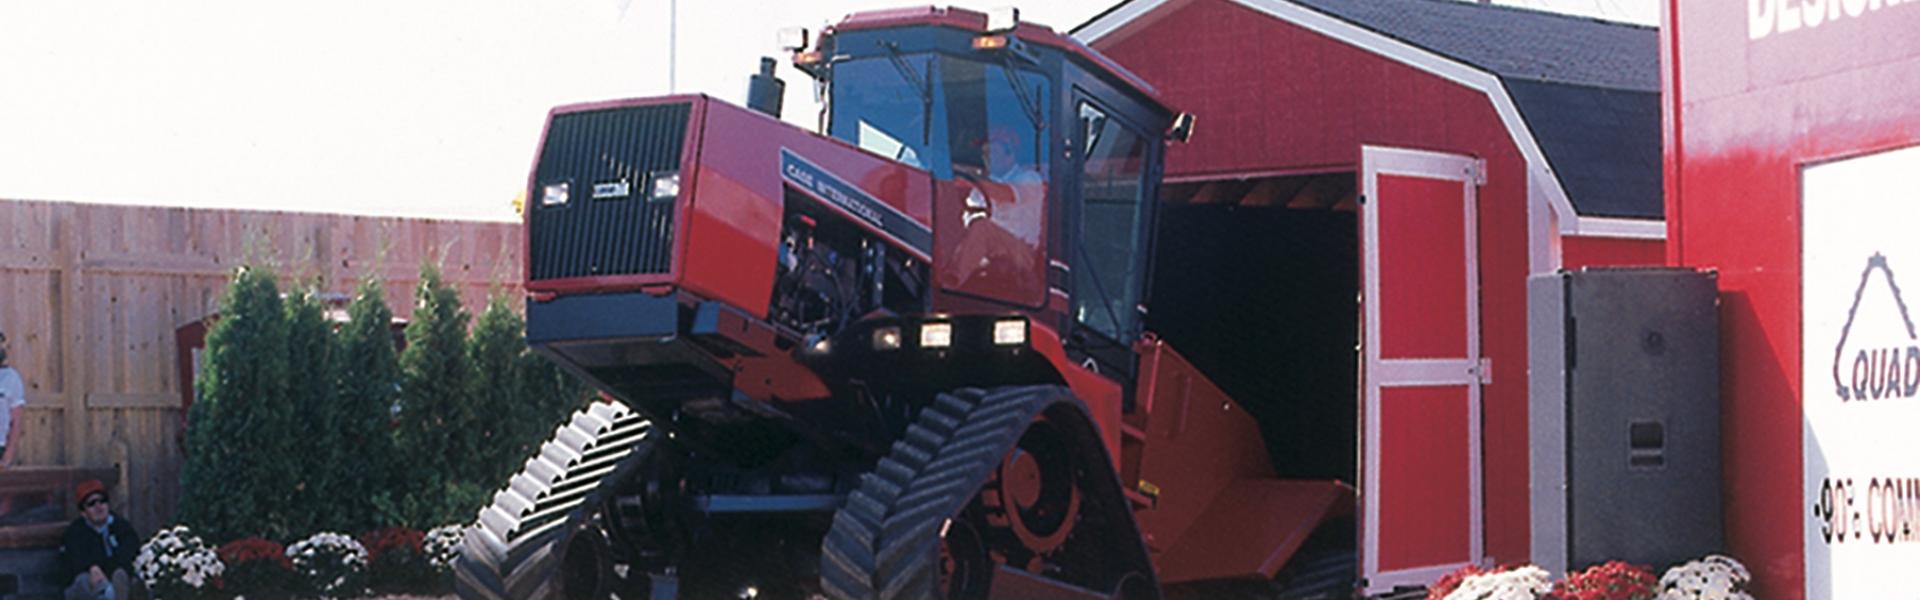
x=1716 y=577
x=388 y=563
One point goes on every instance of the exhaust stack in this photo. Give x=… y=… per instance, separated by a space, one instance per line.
x=765 y=92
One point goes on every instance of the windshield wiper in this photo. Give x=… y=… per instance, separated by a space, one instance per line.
x=1028 y=103
x=919 y=84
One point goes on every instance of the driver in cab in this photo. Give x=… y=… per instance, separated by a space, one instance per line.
x=1002 y=218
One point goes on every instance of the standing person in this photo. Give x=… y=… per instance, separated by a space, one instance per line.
x=96 y=554
x=13 y=396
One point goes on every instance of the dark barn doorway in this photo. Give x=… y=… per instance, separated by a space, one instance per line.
x=1256 y=281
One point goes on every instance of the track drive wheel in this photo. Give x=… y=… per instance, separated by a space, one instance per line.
x=981 y=483
x=514 y=551
x=493 y=572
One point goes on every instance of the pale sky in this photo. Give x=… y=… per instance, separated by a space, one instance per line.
x=412 y=108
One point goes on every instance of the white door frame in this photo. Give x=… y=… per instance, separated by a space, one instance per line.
x=1378 y=373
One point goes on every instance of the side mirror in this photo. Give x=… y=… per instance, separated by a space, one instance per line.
x=1182 y=128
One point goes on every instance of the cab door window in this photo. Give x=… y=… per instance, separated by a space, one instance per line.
x=1106 y=275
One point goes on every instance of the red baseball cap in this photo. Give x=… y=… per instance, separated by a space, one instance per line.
x=87 y=489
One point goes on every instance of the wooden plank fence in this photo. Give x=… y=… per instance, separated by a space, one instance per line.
x=91 y=294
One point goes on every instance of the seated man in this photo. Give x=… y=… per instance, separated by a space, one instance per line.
x=999 y=251
x=13 y=396
x=96 y=553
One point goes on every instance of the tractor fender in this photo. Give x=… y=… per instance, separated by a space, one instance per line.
x=1103 y=397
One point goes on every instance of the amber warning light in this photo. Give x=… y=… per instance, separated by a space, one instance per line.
x=990 y=42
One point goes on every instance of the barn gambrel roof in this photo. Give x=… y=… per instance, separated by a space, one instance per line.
x=1588 y=90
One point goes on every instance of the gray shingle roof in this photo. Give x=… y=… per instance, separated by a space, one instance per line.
x=1603 y=143
x=1514 y=42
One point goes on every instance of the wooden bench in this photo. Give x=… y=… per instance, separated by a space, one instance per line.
x=39 y=504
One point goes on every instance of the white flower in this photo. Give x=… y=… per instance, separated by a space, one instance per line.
x=1716 y=577
x=1524 y=583
x=442 y=545
x=176 y=556
x=330 y=560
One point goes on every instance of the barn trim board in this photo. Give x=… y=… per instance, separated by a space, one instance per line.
x=1434 y=367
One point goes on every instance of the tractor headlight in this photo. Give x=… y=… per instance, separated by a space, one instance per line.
x=1009 y=332
x=666 y=186
x=554 y=194
x=886 y=338
x=818 y=345
x=936 y=335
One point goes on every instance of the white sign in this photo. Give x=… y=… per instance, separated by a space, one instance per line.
x=1860 y=369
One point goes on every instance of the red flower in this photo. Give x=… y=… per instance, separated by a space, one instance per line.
x=381 y=541
x=1614 y=580
x=256 y=567
x=251 y=549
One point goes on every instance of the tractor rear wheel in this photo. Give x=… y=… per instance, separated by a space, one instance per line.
x=514 y=550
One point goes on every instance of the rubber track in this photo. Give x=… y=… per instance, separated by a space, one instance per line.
x=508 y=552
x=884 y=544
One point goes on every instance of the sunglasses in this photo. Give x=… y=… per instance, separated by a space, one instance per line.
x=93 y=502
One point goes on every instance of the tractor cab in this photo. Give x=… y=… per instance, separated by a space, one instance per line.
x=1045 y=160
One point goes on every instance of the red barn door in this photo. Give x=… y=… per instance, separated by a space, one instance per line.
x=1421 y=452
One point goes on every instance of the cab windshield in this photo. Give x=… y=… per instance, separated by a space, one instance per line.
x=944 y=114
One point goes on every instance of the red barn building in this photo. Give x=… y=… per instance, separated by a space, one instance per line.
x=1793 y=160
x=1426 y=156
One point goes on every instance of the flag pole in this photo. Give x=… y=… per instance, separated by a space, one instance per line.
x=673 y=45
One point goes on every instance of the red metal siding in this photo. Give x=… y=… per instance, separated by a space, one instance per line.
x=1743 y=115
x=1270 y=95
x=1578 y=252
x=1305 y=101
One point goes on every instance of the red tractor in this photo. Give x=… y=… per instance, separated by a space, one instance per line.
x=906 y=359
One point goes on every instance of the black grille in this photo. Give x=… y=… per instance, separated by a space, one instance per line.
x=629 y=234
